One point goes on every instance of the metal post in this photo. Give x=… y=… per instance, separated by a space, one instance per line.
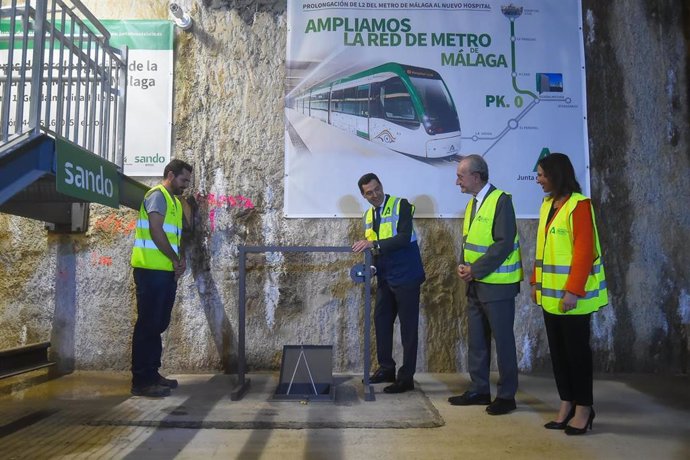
x=93 y=93
x=243 y=383
x=77 y=105
x=8 y=81
x=59 y=109
x=51 y=67
x=21 y=84
x=37 y=71
x=70 y=78
x=121 y=108
x=368 y=389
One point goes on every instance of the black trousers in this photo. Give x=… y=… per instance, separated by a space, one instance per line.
x=571 y=356
x=403 y=302
x=155 y=299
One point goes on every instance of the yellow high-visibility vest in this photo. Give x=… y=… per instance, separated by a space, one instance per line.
x=478 y=237
x=554 y=258
x=145 y=253
x=390 y=216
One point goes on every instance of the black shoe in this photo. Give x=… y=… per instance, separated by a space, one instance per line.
x=170 y=383
x=501 y=406
x=572 y=431
x=553 y=425
x=382 y=375
x=151 y=391
x=470 y=398
x=401 y=386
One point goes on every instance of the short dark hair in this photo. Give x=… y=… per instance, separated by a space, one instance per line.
x=560 y=172
x=365 y=179
x=176 y=166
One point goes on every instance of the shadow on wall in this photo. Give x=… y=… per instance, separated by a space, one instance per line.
x=424 y=205
x=350 y=205
x=219 y=324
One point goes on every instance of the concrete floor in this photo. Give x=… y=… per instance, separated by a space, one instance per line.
x=638 y=417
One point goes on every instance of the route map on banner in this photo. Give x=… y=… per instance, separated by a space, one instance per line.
x=406 y=89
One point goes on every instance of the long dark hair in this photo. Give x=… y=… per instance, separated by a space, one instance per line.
x=559 y=171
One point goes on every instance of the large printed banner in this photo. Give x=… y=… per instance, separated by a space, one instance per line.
x=405 y=89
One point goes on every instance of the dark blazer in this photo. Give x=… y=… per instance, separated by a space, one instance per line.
x=503 y=231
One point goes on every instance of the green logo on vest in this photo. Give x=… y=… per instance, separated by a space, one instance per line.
x=482 y=219
x=559 y=231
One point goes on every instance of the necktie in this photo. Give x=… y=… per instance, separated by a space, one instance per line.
x=377 y=219
x=474 y=209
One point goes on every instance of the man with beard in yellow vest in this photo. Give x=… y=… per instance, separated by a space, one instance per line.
x=389 y=233
x=158 y=264
x=492 y=268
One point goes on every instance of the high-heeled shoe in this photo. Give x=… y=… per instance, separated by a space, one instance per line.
x=571 y=430
x=553 y=425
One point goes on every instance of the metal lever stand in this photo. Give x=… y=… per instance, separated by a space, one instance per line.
x=363 y=275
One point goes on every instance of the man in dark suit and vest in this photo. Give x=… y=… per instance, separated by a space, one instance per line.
x=492 y=268
x=158 y=263
x=389 y=233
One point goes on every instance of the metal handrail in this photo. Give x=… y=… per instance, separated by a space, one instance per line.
x=62 y=77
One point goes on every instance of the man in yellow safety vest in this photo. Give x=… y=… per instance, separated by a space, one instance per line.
x=158 y=263
x=492 y=268
x=389 y=232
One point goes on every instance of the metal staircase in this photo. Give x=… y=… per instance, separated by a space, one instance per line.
x=62 y=84
x=63 y=93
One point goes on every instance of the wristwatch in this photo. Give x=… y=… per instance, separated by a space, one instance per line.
x=377 y=248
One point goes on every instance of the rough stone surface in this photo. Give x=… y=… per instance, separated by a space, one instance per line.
x=77 y=290
x=637 y=96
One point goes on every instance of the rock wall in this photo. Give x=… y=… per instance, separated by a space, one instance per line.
x=637 y=82
x=77 y=290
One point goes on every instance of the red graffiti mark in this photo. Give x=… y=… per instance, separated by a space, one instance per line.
x=115 y=224
x=247 y=202
x=97 y=259
x=217 y=203
x=131 y=226
x=212 y=218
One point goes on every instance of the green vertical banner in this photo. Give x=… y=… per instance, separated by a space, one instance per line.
x=86 y=176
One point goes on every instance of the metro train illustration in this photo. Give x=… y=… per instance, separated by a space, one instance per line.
x=407 y=109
